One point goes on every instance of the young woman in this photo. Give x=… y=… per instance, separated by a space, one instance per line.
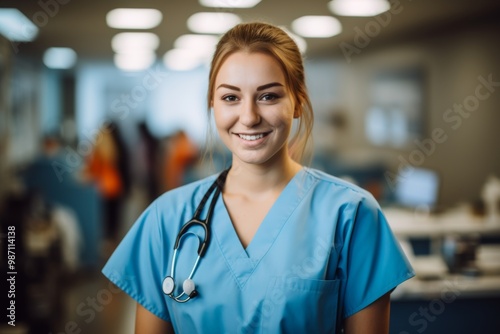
x=290 y=249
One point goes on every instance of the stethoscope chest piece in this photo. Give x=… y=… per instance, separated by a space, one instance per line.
x=168 y=285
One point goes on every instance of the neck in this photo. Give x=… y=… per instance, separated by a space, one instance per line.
x=255 y=180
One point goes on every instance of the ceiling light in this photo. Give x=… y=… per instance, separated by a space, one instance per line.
x=181 y=60
x=138 y=61
x=316 y=26
x=202 y=45
x=59 y=58
x=212 y=23
x=16 y=27
x=133 y=18
x=132 y=42
x=359 y=7
x=301 y=43
x=229 y=3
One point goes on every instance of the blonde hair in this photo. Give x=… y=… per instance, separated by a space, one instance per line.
x=271 y=40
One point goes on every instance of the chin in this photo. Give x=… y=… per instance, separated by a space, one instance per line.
x=260 y=159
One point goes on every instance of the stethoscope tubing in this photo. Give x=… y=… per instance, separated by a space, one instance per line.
x=217 y=185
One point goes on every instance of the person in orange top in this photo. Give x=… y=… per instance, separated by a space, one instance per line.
x=104 y=167
x=181 y=154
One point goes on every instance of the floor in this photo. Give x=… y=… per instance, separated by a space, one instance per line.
x=85 y=303
x=94 y=305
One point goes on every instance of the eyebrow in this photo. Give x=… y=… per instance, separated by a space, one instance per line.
x=266 y=86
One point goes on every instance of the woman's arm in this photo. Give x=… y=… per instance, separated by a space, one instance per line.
x=374 y=319
x=148 y=323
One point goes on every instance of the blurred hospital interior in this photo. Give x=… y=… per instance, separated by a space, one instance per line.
x=103 y=109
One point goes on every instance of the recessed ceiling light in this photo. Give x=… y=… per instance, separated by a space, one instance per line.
x=138 y=61
x=16 y=27
x=229 y=3
x=59 y=58
x=212 y=23
x=358 y=7
x=201 y=45
x=181 y=60
x=134 y=18
x=131 y=42
x=316 y=26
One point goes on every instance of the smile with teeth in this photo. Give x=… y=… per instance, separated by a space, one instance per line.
x=251 y=137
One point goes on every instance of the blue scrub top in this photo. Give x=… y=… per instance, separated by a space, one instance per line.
x=323 y=252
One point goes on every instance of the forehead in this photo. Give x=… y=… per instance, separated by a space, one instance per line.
x=250 y=69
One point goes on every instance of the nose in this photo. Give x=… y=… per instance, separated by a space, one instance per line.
x=249 y=114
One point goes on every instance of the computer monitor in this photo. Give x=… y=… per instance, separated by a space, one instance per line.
x=417 y=187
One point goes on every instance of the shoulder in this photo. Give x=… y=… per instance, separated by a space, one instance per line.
x=343 y=190
x=342 y=202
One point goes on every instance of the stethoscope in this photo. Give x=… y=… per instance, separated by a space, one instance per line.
x=188 y=286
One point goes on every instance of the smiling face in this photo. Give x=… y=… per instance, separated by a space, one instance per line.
x=253 y=108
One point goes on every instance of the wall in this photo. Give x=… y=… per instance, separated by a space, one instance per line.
x=452 y=60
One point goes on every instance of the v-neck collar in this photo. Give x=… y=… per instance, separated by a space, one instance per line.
x=244 y=261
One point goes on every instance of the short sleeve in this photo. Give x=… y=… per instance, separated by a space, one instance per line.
x=371 y=260
x=136 y=264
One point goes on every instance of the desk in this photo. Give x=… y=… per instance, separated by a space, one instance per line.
x=448 y=288
x=448 y=303
x=406 y=224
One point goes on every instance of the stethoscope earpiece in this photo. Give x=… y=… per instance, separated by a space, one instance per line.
x=188 y=286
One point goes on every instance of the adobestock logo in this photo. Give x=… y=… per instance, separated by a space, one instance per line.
x=421 y=319
x=273 y=301
x=371 y=29
x=89 y=309
x=74 y=158
x=153 y=78
x=453 y=117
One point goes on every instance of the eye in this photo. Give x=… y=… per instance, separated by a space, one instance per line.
x=230 y=98
x=269 y=97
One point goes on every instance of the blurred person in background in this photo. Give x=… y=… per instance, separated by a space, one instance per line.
x=51 y=157
x=50 y=168
x=148 y=162
x=108 y=167
x=180 y=155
